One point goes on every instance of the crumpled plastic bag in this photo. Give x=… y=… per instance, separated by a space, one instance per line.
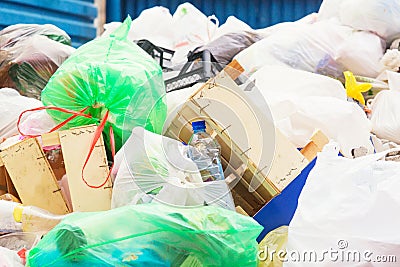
x=379 y=16
x=110 y=75
x=161 y=171
x=391 y=61
x=339 y=208
x=385 y=116
x=181 y=32
x=226 y=47
x=153 y=24
x=302 y=102
x=193 y=28
x=37 y=123
x=9 y=258
x=150 y=235
x=306 y=46
x=12 y=104
x=12 y=34
x=30 y=54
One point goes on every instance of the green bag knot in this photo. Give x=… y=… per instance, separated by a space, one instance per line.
x=121 y=33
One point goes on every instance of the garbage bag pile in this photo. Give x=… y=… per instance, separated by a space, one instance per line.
x=99 y=165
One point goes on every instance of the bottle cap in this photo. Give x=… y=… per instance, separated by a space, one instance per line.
x=17 y=214
x=198 y=125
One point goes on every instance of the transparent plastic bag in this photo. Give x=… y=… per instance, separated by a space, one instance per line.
x=13 y=34
x=385 y=116
x=159 y=170
x=150 y=235
x=29 y=57
x=110 y=77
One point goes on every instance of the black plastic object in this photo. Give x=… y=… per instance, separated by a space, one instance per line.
x=200 y=67
x=158 y=53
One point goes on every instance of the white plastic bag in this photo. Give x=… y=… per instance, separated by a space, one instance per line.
x=386 y=110
x=340 y=120
x=379 y=16
x=302 y=102
x=12 y=104
x=37 y=123
x=192 y=29
x=232 y=24
x=361 y=53
x=348 y=207
x=9 y=258
x=152 y=167
x=153 y=24
x=306 y=46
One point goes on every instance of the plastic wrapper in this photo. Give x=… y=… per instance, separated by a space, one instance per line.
x=307 y=46
x=161 y=171
x=339 y=208
x=302 y=102
x=110 y=75
x=386 y=111
x=150 y=235
x=229 y=45
x=30 y=54
x=11 y=106
x=379 y=16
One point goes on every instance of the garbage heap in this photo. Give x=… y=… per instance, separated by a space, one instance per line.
x=172 y=140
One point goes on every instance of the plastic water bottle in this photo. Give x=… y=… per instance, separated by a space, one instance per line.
x=205 y=152
x=34 y=219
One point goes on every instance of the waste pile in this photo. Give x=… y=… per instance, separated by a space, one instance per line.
x=172 y=140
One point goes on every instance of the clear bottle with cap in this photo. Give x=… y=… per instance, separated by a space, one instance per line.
x=206 y=153
x=34 y=219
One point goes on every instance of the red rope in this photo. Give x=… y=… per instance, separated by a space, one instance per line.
x=75 y=114
x=96 y=137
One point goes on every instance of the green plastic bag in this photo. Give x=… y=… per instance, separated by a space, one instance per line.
x=150 y=235
x=109 y=74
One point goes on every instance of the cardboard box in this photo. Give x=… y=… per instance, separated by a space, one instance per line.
x=259 y=161
x=36 y=179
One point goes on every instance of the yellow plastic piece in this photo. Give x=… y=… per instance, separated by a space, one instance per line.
x=17 y=214
x=272 y=249
x=354 y=89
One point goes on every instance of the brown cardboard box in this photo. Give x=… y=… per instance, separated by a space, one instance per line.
x=36 y=179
